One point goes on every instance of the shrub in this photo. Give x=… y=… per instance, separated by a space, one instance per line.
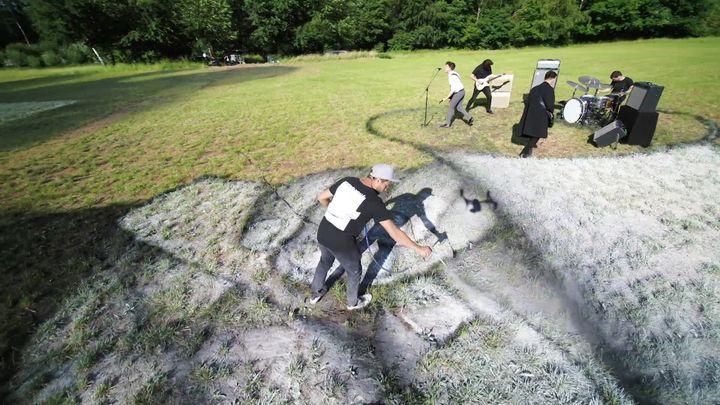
x=34 y=61
x=17 y=54
x=253 y=58
x=77 y=53
x=13 y=57
x=51 y=58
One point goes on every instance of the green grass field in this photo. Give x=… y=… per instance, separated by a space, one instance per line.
x=161 y=128
x=68 y=173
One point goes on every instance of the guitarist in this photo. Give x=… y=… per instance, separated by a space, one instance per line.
x=482 y=71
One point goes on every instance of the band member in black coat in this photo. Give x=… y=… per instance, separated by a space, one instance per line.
x=538 y=110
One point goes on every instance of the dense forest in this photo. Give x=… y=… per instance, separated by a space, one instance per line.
x=48 y=32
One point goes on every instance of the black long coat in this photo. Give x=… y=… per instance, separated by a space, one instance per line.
x=534 y=121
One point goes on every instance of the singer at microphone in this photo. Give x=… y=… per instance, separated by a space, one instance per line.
x=456 y=95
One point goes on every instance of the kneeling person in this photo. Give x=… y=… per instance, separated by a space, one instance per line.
x=351 y=203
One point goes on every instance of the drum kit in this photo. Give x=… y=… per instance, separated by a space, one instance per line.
x=590 y=109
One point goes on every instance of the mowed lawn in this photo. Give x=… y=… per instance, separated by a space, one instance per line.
x=163 y=128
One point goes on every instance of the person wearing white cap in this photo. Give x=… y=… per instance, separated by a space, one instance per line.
x=351 y=202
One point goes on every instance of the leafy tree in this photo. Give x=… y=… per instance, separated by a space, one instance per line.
x=14 y=25
x=147 y=29
x=689 y=17
x=710 y=24
x=154 y=33
x=420 y=24
x=207 y=21
x=481 y=24
x=546 y=22
x=611 y=19
x=274 y=23
x=99 y=23
x=340 y=24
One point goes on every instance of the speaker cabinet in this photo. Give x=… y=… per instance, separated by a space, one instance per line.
x=644 y=96
x=640 y=125
x=543 y=66
x=610 y=133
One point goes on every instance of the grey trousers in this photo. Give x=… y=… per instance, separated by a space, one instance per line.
x=456 y=104
x=349 y=260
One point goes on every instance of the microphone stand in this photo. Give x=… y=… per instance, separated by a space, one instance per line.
x=427 y=89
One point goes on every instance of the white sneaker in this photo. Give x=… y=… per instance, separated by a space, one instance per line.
x=314 y=300
x=363 y=300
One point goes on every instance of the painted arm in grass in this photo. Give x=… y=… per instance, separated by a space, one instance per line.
x=403 y=239
x=325 y=197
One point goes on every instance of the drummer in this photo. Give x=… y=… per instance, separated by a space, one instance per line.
x=621 y=85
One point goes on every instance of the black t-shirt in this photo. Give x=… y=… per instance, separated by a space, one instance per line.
x=353 y=204
x=480 y=72
x=622 y=85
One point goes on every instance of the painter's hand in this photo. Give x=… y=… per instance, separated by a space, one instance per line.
x=425 y=251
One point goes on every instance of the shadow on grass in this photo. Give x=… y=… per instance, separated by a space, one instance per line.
x=45 y=258
x=97 y=99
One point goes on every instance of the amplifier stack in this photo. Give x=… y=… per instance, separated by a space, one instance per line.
x=639 y=115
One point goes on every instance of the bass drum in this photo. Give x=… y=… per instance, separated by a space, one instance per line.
x=574 y=110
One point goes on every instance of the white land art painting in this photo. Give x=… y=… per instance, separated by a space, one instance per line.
x=14 y=111
x=562 y=281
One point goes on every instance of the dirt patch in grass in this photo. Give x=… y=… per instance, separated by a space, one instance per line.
x=97 y=125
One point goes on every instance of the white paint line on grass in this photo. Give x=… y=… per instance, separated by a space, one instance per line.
x=15 y=111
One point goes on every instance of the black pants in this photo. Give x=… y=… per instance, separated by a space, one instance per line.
x=527 y=150
x=349 y=262
x=488 y=94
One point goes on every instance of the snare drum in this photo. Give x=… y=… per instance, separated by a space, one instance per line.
x=574 y=110
x=589 y=101
x=606 y=101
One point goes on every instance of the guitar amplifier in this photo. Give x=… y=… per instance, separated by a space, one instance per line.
x=610 y=133
x=542 y=67
x=644 y=96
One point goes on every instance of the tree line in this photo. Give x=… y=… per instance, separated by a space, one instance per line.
x=146 y=30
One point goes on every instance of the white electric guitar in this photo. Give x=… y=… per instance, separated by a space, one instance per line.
x=484 y=82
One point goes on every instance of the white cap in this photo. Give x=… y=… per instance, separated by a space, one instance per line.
x=383 y=171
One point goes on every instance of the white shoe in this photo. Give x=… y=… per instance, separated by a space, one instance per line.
x=316 y=299
x=363 y=300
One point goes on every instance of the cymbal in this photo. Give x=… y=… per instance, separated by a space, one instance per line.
x=589 y=81
x=576 y=86
x=603 y=88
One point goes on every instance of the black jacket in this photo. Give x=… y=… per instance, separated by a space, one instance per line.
x=534 y=121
